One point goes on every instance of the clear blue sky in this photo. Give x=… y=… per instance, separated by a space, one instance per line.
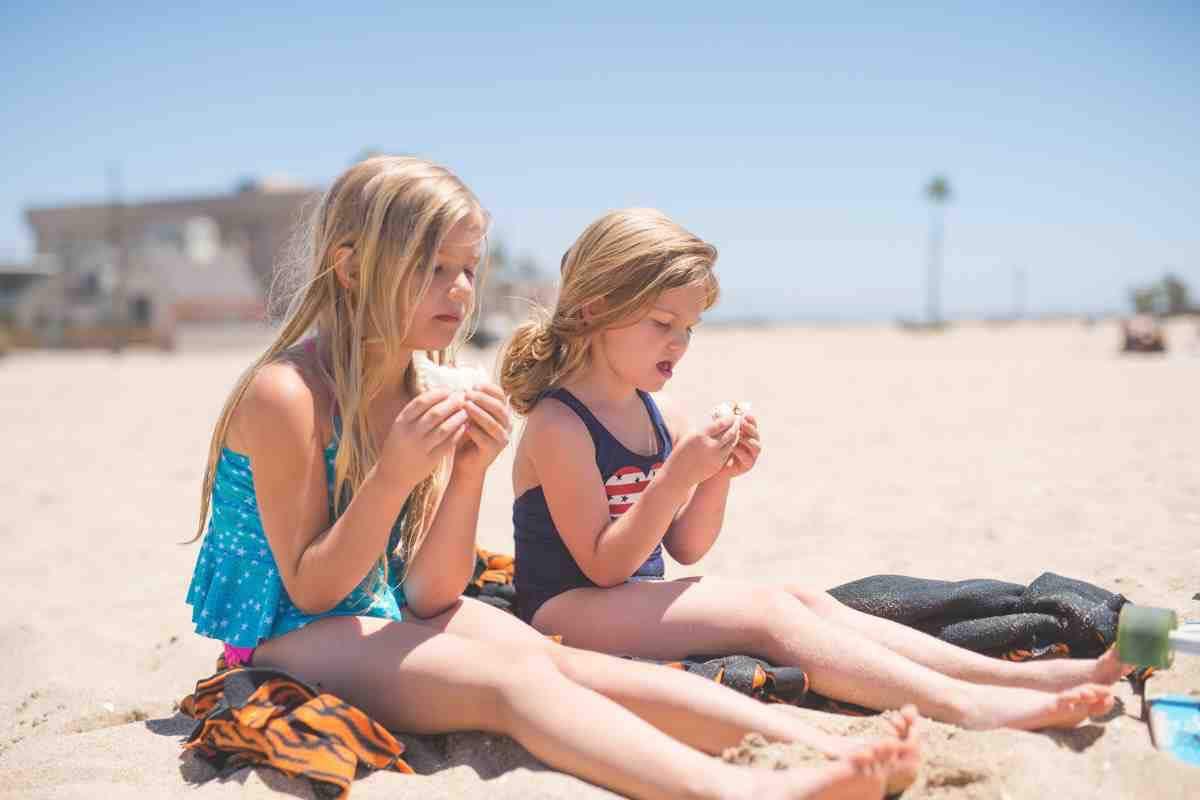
x=795 y=137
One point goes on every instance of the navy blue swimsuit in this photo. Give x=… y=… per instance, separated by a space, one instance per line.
x=544 y=566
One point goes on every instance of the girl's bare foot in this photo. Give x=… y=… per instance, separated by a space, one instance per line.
x=908 y=753
x=1029 y=709
x=861 y=774
x=1064 y=673
x=907 y=761
x=903 y=724
x=1108 y=668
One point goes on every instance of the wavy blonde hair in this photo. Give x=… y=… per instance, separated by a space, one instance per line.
x=627 y=258
x=394 y=212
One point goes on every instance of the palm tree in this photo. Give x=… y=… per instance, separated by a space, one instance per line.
x=938 y=194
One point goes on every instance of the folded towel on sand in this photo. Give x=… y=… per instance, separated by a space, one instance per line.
x=252 y=715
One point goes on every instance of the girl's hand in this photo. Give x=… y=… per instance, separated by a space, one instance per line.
x=487 y=432
x=424 y=433
x=745 y=453
x=703 y=453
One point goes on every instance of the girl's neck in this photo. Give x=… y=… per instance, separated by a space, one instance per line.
x=600 y=386
x=386 y=373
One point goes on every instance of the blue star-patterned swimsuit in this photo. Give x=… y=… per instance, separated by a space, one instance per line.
x=236 y=593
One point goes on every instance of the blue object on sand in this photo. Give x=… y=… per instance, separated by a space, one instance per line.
x=1175 y=726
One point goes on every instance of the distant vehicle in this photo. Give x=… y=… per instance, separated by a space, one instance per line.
x=1142 y=334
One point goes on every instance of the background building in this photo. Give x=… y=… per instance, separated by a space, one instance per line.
x=121 y=272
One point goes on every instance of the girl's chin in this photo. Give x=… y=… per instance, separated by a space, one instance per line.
x=653 y=383
x=432 y=341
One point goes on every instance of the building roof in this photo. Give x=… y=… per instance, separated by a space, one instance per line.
x=237 y=203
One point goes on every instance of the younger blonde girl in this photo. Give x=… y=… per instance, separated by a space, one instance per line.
x=607 y=476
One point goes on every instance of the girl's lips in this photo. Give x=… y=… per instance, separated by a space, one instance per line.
x=665 y=368
x=448 y=318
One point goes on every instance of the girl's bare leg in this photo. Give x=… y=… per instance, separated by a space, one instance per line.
x=692 y=709
x=958 y=662
x=412 y=678
x=673 y=619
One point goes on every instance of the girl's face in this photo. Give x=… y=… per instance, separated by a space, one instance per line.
x=451 y=294
x=645 y=351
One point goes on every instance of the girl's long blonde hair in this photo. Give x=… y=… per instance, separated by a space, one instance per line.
x=394 y=213
x=627 y=258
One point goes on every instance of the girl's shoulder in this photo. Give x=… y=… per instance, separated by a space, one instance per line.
x=285 y=399
x=553 y=424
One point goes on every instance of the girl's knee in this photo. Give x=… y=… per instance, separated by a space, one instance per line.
x=771 y=611
x=523 y=670
x=813 y=599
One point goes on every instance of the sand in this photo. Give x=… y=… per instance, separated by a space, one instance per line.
x=996 y=451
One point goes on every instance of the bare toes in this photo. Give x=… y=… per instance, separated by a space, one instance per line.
x=869 y=757
x=1070 y=698
x=911 y=717
x=1110 y=668
x=1090 y=697
x=1102 y=705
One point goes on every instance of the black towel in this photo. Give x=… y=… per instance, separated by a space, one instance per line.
x=995 y=617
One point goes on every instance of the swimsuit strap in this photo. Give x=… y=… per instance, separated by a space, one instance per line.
x=597 y=429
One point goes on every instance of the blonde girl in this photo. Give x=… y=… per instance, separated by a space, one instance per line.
x=606 y=476
x=339 y=509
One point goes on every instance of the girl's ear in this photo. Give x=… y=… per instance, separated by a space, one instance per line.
x=344 y=268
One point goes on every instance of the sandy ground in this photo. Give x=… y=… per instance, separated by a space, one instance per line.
x=986 y=451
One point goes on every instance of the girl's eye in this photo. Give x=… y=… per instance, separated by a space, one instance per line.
x=664 y=325
x=470 y=273
x=691 y=332
x=438 y=270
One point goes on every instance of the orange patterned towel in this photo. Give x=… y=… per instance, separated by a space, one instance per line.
x=251 y=715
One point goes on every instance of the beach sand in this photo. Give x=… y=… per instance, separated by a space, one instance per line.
x=998 y=451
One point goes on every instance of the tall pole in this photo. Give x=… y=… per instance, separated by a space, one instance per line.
x=938 y=193
x=933 y=280
x=119 y=303
x=1019 y=285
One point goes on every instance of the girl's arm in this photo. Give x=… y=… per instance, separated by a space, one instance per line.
x=277 y=427
x=608 y=551
x=445 y=561
x=699 y=522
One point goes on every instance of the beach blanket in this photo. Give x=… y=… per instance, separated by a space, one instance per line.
x=256 y=716
x=1051 y=616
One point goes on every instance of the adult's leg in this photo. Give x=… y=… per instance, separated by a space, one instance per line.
x=413 y=678
x=958 y=662
x=673 y=619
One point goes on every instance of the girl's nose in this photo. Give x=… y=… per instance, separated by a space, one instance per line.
x=461 y=289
